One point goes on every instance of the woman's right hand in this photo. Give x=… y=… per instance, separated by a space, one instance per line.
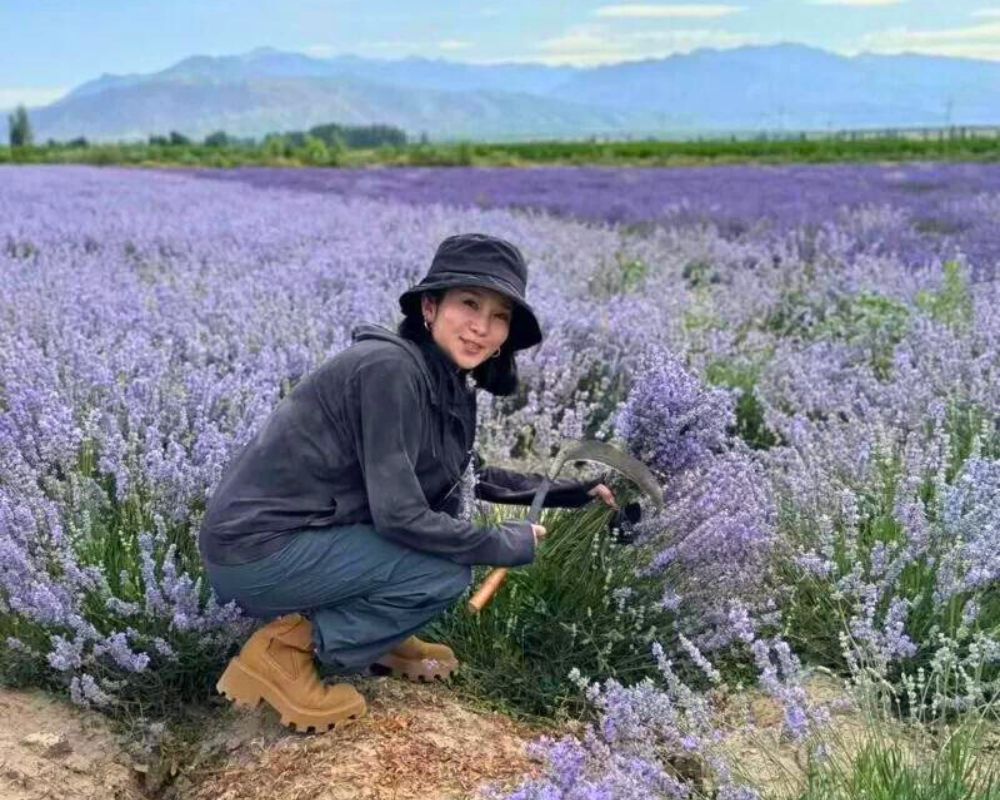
x=539 y=531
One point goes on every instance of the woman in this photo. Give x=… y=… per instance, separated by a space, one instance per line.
x=341 y=516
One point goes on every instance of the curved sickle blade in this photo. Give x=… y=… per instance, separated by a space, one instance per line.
x=609 y=456
x=574 y=450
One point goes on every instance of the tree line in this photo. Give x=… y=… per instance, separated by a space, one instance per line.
x=335 y=145
x=323 y=140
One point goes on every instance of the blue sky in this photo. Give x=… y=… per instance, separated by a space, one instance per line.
x=49 y=46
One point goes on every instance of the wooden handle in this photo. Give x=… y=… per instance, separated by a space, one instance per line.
x=489 y=588
x=497 y=577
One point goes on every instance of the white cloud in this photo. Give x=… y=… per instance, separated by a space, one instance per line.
x=973 y=41
x=857 y=3
x=391 y=44
x=588 y=45
x=669 y=11
x=320 y=50
x=11 y=97
x=989 y=13
x=390 y=48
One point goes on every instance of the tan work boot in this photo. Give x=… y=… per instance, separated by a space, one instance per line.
x=417 y=660
x=276 y=665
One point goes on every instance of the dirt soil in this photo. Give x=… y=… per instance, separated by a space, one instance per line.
x=51 y=749
x=417 y=741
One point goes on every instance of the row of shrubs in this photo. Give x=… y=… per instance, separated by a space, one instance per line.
x=316 y=148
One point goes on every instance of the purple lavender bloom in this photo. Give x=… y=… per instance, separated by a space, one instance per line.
x=712 y=544
x=628 y=751
x=85 y=691
x=935 y=208
x=117 y=647
x=970 y=513
x=671 y=421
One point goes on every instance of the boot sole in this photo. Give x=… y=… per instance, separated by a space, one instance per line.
x=245 y=688
x=416 y=671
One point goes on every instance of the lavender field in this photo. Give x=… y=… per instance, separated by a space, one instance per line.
x=806 y=356
x=941 y=203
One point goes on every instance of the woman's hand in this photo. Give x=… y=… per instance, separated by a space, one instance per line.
x=539 y=531
x=605 y=494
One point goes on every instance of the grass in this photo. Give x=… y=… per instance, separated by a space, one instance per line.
x=561 y=612
x=925 y=763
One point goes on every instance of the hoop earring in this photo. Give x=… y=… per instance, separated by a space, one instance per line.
x=496 y=354
x=427 y=325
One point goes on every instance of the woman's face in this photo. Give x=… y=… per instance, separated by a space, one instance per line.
x=469 y=324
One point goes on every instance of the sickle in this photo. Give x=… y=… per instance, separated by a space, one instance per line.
x=573 y=450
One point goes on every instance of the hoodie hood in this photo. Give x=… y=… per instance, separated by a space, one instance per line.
x=446 y=382
x=369 y=330
x=434 y=364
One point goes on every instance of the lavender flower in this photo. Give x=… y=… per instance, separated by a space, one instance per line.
x=670 y=420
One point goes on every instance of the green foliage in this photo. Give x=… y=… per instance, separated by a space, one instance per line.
x=315 y=152
x=970 y=428
x=625 y=276
x=19 y=128
x=559 y=613
x=699 y=273
x=700 y=320
x=275 y=146
x=952 y=303
x=359 y=136
x=750 y=424
x=463 y=154
x=958 y=767
x=217 y=139
x=938 y=227
x=386 y=145
x=870 y=321
x=795 y=315
x=331 y=135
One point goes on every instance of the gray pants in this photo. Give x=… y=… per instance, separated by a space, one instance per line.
x=362 y=593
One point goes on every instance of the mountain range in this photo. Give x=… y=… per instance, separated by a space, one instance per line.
x=786 y=87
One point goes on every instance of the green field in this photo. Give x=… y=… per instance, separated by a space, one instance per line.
x=931 y=145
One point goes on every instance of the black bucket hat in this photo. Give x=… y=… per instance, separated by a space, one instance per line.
x=483 y=261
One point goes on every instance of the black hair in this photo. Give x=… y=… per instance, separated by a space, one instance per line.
x=497 y=375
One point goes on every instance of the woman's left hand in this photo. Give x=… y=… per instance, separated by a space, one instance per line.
x=605 y=494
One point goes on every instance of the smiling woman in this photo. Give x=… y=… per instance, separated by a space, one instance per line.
x=469 y=324
x=341 y=514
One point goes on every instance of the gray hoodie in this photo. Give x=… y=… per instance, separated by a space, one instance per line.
x=380 y=433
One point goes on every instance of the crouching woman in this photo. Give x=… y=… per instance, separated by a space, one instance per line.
x=339 y=521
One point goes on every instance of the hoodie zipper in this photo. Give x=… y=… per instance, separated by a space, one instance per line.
x=458 y=480
x=379 y=332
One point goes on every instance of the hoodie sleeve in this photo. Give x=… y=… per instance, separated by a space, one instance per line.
x=498 y=485
x=391 y=411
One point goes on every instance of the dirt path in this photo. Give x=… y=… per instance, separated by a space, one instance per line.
x=416 y=742
x=51 y=749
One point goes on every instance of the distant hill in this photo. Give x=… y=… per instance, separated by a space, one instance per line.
x=788 y=87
